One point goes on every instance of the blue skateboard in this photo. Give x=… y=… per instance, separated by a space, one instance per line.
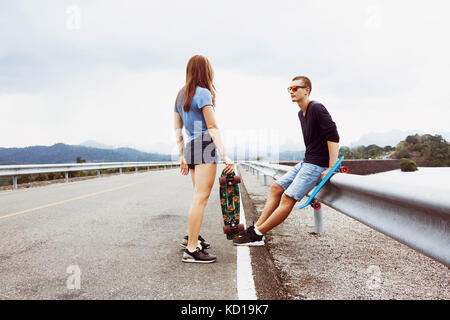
x=311 y=200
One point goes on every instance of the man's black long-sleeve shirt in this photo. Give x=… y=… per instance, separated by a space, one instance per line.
x=318 y=128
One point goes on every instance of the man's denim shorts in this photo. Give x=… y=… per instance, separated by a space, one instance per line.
x=299 y=180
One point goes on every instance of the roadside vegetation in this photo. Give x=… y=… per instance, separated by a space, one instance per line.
x=5 y=181
x=424 y=150
x=362 y=152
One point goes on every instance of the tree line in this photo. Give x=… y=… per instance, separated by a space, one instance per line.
x=362 y=152
x=426 y=150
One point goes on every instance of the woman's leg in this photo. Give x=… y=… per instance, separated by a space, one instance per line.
x=192 y=171
x=193 y=177
x=205 y=174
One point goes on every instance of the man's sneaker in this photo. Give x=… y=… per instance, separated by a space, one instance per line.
x=248 y=228
x=198 y=256
x=252 y=227
x=205 y=245
x=249 y=238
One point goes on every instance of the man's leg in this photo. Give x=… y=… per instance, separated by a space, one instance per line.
x=279 y=215
x=255 y=236
x=307 y=176
x=273 y=201
x=276 y=191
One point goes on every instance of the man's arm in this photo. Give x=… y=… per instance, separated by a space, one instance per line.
x=329 y=129
x=333 y=149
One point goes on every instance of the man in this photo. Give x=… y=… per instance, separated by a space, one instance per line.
x=322 y=147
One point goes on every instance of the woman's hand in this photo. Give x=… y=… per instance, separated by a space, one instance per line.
x=184 y=169
x=229 y=165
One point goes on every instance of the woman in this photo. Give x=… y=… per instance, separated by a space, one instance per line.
x=194 y=109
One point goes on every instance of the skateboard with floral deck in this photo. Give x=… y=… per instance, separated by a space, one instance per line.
x=230 y=204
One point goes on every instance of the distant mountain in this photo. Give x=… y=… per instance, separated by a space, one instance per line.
x=95 y=144
x=241 y=155
x=288 y=151
x=390 y=138
x=158 y=147
x=166 y=148
x=292 y=155
x=62 y=153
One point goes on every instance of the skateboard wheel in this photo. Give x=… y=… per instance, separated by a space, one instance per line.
x=316 y=205
x=343 y=169
x=226 y=229
x=241 y=227
x=236 y=179
x=222 y=181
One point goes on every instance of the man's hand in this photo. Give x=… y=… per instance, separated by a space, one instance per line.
x=325 y=173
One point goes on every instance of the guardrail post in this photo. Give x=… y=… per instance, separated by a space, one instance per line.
x=66 y=174
x=98 y=173
x=136 y=170
x=120 y=170
x=318 y=221
x=14 y=182
x=265 y=180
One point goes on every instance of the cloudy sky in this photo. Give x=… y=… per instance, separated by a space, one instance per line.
x=109 y=71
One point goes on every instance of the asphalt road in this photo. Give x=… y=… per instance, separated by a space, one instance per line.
x=114 y=237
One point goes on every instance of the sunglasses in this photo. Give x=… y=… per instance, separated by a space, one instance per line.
x=295 y=88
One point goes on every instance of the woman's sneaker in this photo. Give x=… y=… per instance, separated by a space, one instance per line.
x=198 y=256
x=205 y=245
x=249 y=238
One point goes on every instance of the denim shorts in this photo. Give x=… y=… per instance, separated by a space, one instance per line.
x=299 y=180
x=200 y=150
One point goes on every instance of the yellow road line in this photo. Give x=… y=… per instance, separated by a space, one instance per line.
x=67 y=200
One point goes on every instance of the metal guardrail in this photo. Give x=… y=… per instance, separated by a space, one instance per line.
x=18 y=170
x=417 y=217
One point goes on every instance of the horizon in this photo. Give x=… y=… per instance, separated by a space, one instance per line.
x=100 y=145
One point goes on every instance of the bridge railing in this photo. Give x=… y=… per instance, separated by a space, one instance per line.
x=413 y=215
x=17 y=170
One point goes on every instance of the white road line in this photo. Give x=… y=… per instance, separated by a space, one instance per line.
x=245 y=283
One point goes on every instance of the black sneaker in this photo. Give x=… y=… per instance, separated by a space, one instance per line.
x=250 y=238
x=198 y=256
x=205 y=245
x=252 y=227
x=248 y=228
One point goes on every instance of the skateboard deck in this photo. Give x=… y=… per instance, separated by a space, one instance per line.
x=311 y=200
x=230 y=204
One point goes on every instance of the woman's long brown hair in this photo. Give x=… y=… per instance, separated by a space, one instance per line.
x=199 y=72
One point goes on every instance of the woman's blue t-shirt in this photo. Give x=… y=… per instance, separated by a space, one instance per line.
x=193 y=120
